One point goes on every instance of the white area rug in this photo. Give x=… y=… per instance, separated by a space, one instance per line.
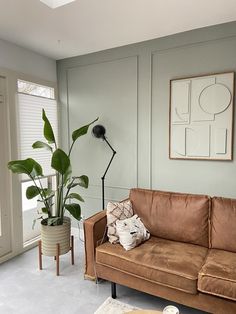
x=112 y=306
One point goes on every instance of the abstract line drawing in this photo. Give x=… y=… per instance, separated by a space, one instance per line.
x=181 y=102
x=215 y=98
x=201 y=117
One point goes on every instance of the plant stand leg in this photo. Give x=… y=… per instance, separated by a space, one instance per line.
x=72 y=250
x=57 y=258
x=40 y=255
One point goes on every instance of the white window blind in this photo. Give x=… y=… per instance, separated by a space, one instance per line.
x=31 y=128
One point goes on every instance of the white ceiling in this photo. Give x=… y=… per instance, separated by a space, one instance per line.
x=56 y=3
x=85 y=26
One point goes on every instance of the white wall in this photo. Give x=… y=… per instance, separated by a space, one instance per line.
x=22 y=60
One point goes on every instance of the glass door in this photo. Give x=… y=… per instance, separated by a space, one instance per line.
x=5 y=222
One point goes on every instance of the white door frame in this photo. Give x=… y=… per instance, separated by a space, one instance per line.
x=5 y=212
x=12 y=184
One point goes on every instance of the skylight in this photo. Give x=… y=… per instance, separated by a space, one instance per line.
x=56 y=3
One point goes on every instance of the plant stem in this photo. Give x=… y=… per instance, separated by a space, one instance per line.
x=58 y=195
x=71 y=148
x=30 y=176
x=45 y=196
x=68 y=190
x=41 y=195
x=61 y=209
x=60 y=198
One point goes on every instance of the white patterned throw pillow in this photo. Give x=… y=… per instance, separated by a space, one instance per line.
x=131 y=232
x=117 y=211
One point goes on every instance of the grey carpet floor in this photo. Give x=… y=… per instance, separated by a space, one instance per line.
x=26 y=290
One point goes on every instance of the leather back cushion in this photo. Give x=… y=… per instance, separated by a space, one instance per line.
x=173 y=216
x=223 y=224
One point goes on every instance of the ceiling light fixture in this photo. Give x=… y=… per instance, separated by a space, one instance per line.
x=56 y=3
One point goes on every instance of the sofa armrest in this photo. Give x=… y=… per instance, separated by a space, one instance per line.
x=94 y=234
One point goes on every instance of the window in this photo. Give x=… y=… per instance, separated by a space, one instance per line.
x=35 y=89
x=31 y=124
x=32 y=98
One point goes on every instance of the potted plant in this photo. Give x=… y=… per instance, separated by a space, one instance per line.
x=55 y=227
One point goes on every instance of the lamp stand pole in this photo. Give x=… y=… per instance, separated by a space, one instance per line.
x=104 y=175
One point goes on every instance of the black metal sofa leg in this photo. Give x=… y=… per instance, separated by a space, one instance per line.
x=113 y=290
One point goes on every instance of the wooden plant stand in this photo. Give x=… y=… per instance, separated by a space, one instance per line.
x=57 y=257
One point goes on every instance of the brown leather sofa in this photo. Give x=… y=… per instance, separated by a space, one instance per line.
x=190 y=257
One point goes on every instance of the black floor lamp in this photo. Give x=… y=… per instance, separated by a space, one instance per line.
x=99 y=132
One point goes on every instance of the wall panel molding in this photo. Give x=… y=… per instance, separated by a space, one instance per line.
x=89 y=66
x=194 y=44
x=157 y=61
x=216 y=66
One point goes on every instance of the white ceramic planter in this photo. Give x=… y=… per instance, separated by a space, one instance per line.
x=53 y=235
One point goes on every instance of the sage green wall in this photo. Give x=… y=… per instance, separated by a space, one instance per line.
x=128 y=88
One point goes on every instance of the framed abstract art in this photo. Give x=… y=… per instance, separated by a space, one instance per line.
x=201 y=117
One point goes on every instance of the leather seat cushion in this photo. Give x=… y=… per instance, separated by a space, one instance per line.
x=170 y=263
x=218 y=274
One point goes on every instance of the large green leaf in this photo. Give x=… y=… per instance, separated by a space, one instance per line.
x=72 y=185
x=60 y=161
x=47 y=129
x=20 y=166
x=67 y=175
x=37 y=169
x=83 y=181
x=81 y=131
x=54 y=221
x=48 y=192
x=47 y=198
x=74 y=209
x=40 y=144
x=75 y=196
x=44 y=210
x=27 y=166
x=32 y=191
